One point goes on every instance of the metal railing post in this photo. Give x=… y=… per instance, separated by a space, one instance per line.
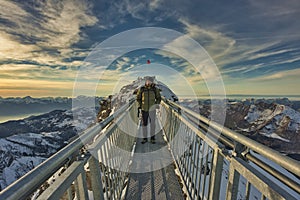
x=233 y=183
x=248 y=190
x=96 y=178
x=198 y=175
x=104 y=171
x=216 y=175
x=82 y=186
x=69 y=194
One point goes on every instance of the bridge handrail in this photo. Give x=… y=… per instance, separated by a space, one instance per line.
x=208 y=148
x=284 y=161
x=31 y=181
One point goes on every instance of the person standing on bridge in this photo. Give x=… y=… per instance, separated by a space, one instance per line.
x=148 y=97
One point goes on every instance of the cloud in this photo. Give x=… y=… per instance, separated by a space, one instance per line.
x=278 y=83
x=11 y=49
x=214 y=42
x=38 y=42
x=288 y=74
x=244 y=38
x=194 y=61
x=276 y=8
x=226 y=51
x=9 y=9
x=133 y=8
x=259 y=59
x=51 y=23
x=63 y=24
x=290 y=60
x=155 y=4
x=44 y=31
x=143 y=13
x=29 y=71
x=126 y=59
x=25 y=87
x=177 y=63
x=272 y=53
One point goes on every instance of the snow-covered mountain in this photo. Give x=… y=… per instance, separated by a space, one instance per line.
x=29 y=99
x=273 y=122
x=26 y=143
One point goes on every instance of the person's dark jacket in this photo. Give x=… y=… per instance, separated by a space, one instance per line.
x=148 y=97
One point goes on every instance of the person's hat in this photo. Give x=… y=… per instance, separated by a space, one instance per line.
x=149 y=78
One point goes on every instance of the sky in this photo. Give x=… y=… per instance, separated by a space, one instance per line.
x=253 y=44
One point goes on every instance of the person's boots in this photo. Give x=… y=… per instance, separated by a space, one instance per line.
x=152 y=140
x=144 y=141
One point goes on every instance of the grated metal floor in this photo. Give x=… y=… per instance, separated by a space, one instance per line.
x=154 y=184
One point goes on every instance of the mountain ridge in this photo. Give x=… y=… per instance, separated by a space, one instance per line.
x=12 y=106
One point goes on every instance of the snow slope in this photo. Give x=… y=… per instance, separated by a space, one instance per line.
x=263 y=116
x=32 y=140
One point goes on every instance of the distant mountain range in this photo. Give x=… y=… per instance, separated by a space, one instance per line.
x=29 y=105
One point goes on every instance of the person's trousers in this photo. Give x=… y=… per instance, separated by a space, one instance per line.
x=148 y=116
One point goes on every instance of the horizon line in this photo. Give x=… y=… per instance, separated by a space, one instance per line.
x=202 y=95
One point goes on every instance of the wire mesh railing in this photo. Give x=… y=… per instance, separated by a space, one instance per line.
x=217 y=163
x=79 y=173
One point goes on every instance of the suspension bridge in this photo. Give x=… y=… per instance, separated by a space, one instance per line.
x=193 y=158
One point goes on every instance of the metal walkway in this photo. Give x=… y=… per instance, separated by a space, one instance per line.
x=107 y=161
x=156 y=184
